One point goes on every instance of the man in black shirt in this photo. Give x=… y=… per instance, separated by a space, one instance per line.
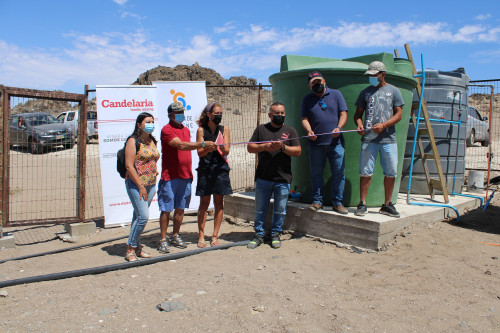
x=274 y=172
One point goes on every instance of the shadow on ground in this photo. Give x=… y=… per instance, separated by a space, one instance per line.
x=150 y=242
x=485 y=221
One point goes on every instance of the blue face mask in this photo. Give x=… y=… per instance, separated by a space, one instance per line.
x=373 y=81
x=180 y=118
x=149 y=128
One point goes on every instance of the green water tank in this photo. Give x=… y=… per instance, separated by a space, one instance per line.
x=290 y=86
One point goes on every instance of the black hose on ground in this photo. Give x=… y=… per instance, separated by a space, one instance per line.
x=40 y=254
x=114 y=267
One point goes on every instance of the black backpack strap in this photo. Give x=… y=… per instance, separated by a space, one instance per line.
x=137 y=144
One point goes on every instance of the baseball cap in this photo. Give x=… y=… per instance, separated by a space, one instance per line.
x=175 y=107
x=375 y=67
x=314 y=75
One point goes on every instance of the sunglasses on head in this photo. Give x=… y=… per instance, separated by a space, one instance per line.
x=322 y=105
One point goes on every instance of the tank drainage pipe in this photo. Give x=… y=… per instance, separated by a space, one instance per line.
x=115 y=267
x=77 y=247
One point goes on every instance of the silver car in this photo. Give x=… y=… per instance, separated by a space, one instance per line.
x=477 y=128
x=39 y=131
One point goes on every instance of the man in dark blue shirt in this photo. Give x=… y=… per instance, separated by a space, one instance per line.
x=324 y=114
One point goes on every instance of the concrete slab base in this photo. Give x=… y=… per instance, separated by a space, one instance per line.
x=80 y=228
x=371 y=231
x=7 y=241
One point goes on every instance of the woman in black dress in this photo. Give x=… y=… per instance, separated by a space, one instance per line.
x=213 y=170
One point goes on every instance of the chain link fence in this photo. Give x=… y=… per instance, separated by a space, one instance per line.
x=483 y=126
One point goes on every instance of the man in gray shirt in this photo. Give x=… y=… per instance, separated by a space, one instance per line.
x=382 y=104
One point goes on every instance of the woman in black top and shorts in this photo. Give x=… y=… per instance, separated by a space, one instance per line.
x=213 y=170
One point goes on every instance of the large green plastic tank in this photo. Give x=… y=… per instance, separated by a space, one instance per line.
x=290 y=86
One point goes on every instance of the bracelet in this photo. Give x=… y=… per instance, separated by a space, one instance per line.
x=203 y=144
x=340 y=128
x=283 y=147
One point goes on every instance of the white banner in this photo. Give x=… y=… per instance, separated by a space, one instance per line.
x=193 y=96
x=117 y=111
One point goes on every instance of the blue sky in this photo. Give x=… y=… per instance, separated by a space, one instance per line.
x=66 y=44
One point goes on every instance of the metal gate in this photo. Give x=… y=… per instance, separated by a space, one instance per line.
x=43 y=171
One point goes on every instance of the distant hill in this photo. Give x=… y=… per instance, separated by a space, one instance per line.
x=190 y=73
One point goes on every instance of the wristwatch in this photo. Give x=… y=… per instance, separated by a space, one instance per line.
x=283 y=147
x=203 y=144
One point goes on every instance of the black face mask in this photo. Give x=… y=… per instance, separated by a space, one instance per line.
x=278 y=119
x=217 y=119
x=318 y=89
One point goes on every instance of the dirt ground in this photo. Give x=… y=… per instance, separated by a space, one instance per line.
x=435 y=277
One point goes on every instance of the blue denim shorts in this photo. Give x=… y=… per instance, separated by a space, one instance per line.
x=388 y=158
x=174 y=194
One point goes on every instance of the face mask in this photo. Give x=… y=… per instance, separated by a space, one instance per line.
x=180 y=118
x=373 y=81
x=217 y=119
x=149 y=128
x=278 y=119
x=318 y=89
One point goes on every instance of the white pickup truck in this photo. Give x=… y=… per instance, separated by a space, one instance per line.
x=70 y=119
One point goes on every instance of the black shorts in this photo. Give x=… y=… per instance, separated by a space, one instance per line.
x=213 y=183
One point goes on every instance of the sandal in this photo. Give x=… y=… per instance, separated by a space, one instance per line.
x=202 y=245
x=143 y=254
x=214 y=242
x=131 y=256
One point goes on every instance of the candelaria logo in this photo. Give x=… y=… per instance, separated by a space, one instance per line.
x=180 y=97
x=127 y=104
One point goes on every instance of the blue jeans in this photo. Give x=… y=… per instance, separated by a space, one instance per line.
x=141 y=210
x=317 y=159
x=388 y=158
x=264 y=189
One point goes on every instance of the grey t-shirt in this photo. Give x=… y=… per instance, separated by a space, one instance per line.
x=378 y=104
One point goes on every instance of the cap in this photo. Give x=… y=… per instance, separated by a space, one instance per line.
x=375 y=67
x=175 y=107
x=314 y=75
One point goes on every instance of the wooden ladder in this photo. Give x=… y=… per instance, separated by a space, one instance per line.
x=432 y=184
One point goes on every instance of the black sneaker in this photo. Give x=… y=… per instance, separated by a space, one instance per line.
x=255 y=242
x=178 y=242
x=163 y=246
x=389 y=210
x=275 y=241
x=361 y=210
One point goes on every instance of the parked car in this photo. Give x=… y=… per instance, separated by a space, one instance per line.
x=70 y=119
x=39 y=131
x=477 y=128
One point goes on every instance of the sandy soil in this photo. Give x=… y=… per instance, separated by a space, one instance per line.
x=435 y=277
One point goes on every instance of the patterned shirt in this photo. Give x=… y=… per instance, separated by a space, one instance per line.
x=145 y=163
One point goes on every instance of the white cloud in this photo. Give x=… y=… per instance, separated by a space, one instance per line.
x=468 y=33
x=257 y=35
x=133 y=15
x=110 y=58
x=120 y=2
x=201 y=49
x=228 y=26
x=355 y=35
x=482 y=17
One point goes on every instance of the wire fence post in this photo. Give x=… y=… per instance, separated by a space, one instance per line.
x=259 y=104
x=82 y=155
x=2 y=161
